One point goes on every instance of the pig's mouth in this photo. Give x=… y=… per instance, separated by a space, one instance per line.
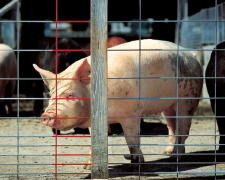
x=50 y=122
x=48 y=119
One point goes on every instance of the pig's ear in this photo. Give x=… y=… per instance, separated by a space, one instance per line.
x=45 y=74
x=83 y=71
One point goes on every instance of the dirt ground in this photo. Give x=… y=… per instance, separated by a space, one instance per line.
x=198 y=163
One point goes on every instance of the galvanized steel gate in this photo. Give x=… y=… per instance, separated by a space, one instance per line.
x=165 y=170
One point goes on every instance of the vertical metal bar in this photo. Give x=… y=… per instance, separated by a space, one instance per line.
x=177 y=115
x=99 y=116
x=56 y=68
x=139 y=130
x=215 y=78
x=18 y=102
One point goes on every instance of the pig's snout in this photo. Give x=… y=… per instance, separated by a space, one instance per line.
x=48 y=120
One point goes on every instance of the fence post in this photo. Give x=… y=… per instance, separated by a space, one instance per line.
x=99 y=125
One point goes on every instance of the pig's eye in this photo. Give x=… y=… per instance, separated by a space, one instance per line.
x=69 y=95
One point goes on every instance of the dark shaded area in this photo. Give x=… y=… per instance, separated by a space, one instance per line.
x=218 y=105
x=31 y=35
x=188 y=162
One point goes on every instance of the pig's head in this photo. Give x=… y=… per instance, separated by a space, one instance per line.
x=73 y=111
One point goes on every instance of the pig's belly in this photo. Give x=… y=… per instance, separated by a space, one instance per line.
x=155 y=106
x=131 y=108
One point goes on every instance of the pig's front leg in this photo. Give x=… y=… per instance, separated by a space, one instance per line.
x=88 y=167
x=131 y=127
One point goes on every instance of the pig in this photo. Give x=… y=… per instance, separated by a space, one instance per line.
x=8 y=69
x=46 y=60
x=220 y=89
x=154 y=63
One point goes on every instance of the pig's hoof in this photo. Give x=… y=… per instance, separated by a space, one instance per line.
x=87 y=167
x=128 y=157
x=172 y=158
x=167 y=152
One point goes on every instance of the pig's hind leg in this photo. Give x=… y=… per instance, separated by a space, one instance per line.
x=180 y=126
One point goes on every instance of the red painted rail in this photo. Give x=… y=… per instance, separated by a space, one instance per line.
x=71 y=155
x=56 y=136
x=70 y=173
x=72 y=22
x=71 y=136
x=71 y=50
x=72 y=145
x=70 y=164
x=68 y=78
x=71 y=117
x=71 y=98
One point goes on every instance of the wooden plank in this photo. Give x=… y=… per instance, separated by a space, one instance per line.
x=99 y=126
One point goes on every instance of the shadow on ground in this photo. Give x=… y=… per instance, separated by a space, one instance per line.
x=188 y=162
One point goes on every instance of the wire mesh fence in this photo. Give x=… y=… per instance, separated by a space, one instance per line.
x=30 y=150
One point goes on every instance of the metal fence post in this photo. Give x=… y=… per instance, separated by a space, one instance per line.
x=99 y=125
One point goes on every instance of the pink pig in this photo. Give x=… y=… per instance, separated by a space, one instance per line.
x=7 y=70
x=158 y=59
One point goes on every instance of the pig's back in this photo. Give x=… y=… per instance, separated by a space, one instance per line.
x=156 y=61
